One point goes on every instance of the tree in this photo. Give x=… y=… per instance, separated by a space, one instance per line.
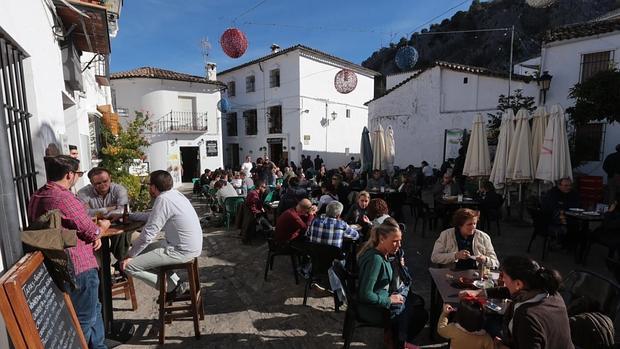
x=121 y=151
x=596 y=99
x=515 y=102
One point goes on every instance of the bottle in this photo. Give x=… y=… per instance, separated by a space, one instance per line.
x=125 y=218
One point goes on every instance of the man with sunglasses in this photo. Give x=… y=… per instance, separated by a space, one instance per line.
x=62 y=174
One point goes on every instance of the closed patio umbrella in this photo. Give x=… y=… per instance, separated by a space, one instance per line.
x=520 y=168
x=506 y=132
x=390 y=150
x=378 y=149
x=477 y=159
x=366 y=150
x=554 y=162
x=539 y=124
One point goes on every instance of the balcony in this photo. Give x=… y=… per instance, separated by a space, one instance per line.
x=180 y=122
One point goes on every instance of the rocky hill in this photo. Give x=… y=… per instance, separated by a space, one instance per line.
x=490 y=49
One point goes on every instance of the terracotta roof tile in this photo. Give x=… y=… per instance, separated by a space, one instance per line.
x=157 y=73
x=581 y=30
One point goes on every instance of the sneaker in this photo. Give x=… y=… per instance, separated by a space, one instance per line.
x=316 y=286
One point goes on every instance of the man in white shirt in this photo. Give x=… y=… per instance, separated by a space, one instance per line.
x=224 y=190
x=427 y=170
x=174 y=214
x=246 y=167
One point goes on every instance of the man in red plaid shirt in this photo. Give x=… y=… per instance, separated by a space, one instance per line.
x=62 y=174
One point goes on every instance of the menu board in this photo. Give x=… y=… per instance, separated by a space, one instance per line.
x=38 y=315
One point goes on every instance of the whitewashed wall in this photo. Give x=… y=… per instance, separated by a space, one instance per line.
x=563 y=61
x=395 y=79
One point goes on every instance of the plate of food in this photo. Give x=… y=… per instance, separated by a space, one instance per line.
x=460 y=282
x=591 y=213
x=576 y=209
x=483 y=283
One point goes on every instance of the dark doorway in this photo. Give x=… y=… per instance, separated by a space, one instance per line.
x=234 y=156
x=190 y=161
x=275 y=150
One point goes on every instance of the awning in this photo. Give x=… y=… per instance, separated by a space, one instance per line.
x=88 y=34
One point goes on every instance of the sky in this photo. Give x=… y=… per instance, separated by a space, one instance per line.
x=167 y=34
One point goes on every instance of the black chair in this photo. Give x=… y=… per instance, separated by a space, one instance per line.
x=492 y=215
x=274 y=249
x=541 y=228
x=422 y=212
x=585 y=291
x=351 y=318
x=321 y=257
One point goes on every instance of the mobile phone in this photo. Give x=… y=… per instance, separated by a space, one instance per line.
x=492 y=306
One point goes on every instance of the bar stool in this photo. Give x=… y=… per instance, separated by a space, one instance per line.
x=125 y=287
x=168 y=311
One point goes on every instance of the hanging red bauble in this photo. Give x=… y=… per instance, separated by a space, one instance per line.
x=345 y=81
x=234 y=43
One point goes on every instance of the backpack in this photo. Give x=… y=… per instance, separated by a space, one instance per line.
x=592 y=331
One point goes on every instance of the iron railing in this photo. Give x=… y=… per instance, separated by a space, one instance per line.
x=181 y=121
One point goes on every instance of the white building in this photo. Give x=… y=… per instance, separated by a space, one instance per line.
x=430 y=108
x=285 y=105
x=186 y=137
x=52 y=79
x=572 y=54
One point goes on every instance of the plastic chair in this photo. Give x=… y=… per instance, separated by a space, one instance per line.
x=231 y=205
x=269 y=197
x=274 y=250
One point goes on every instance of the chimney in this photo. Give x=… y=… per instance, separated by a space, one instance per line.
x=211 y=71
x=275 y=48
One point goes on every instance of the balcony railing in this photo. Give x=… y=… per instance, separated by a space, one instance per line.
x=181 y=121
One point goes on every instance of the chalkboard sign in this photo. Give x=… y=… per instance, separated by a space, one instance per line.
x=211 y=148
x=38 y=314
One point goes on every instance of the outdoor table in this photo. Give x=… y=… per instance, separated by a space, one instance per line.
x=105 y=275
x=583 y=220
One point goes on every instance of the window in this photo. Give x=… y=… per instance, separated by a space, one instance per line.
x=274 y=78
x=231 y=124
x=122 y=112
x=275 y=119
x=249 y=84
x=251 y=124
x=465 y=80
x=593 y=63
x=588 y=141
x=232 y=89
x=348 y=115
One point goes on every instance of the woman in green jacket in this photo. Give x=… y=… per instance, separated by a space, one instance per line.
x=376 y=301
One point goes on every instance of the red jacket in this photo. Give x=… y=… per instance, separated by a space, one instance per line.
x=254 y=202
x=290 y=225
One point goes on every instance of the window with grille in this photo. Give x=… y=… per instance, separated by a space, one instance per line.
x=232 y=89
x=251 y=124
x=275 y=119
x=15 y=121
x=249 y=84
x=593 y=63
x=348 y=113
x=588 y=142
x=274 y=78
x=231 y=124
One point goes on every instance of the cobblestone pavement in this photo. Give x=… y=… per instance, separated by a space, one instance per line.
x=244 y=311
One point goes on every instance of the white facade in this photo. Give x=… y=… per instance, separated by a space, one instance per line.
x=159 y=98
x=562 y=59
x=433 y=101
x=316 y=119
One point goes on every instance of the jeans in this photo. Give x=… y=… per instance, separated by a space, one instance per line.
x=85 y=299
x=155 y=255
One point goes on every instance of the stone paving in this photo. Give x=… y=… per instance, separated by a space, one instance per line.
x=244 y=311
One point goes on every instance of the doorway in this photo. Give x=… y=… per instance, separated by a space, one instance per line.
x=234 y=156
x=275 y=150
x=190 y=162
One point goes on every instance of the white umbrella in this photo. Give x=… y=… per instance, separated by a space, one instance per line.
x=477 y=159
x=390 y=150
x=539 y=124
x=554 y=162
x=506 y=132
x=378 y=149
x=520 y=168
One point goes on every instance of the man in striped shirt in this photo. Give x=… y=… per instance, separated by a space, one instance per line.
x=62 y=174
x=329 y=229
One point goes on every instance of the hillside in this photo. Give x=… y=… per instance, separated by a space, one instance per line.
x=490 y=49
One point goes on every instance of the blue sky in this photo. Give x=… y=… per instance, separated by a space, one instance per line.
x=167 y=33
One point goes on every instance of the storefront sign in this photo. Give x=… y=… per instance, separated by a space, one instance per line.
x=211 y=148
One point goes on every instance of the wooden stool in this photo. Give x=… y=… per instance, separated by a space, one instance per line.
x=168 y=311
x=126 y=287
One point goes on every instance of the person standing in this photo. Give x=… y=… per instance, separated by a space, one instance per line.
x=73 y=152
x=173 y=214
x=62 y=173
x=611 y=165
x=247 y=166
x=317 y=162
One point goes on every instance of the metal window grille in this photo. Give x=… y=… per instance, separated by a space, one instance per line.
x=16 y=123
x=249 y=84
x=275 y=119
x=593 y=63
x=251 y=122
x=589 y=142
x=274 y=78
x=231 y=124
x=232 y=89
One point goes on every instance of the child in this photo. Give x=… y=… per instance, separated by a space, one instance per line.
x=467 y=331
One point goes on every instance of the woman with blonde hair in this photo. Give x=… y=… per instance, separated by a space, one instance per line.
x=376 y=298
